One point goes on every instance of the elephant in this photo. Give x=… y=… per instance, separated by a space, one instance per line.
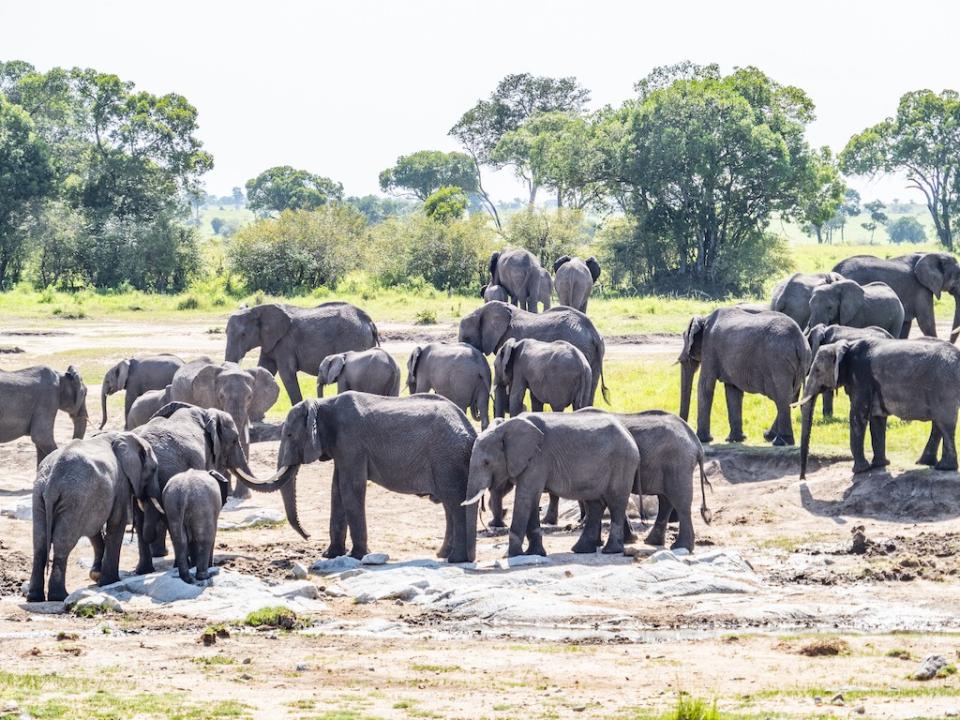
x=192 y=502
x=575 y=279
x=372 y=371
x=490 y=293
x=146 y=405
x=846 y=302
x=558 y=453
x=521 y=275
x=30 y=399
x=493 y=323
x=185 y=437
x=792 y=296
x=81 y=489
x=136 y=376
x=755 y=352
x=915 y=278
x=457 y=371
x=911 y=379
x=293 y=339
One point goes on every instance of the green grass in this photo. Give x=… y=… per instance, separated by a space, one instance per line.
x=272 y=617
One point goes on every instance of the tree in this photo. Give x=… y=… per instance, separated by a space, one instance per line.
x=239 y=200
x=286 y=188
x=923 y=141
x=446 y=204
x=877 y=216
x=870 y=227
x=377 y=209
x=217 y=224
x=424 y=172
x=850 y=208
x=26 y=176
x=824 y=194
x=906 y=229
x=548 y=234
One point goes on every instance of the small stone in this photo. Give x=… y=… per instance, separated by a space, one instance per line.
x=858 y=544
x=335 y=565
x=247 y=661
x=817 y=700
x=375 y=559
x=302 y=667
x=837 y=699
x=860 y=710
x=299 y=571
x=951 y=713
x=10 y=706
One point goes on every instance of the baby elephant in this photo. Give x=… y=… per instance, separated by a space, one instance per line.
x=556 y=373
x=192 y=502
x=146 y=406
x=489 y=293
x=370 y=371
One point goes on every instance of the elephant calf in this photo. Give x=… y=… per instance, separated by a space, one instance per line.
x=556 y=373
x=574 y=279
x=457 y=371
x=146 y=406
x=489 y=293
x=371 y=371
x=136 y=376
x=192 y=502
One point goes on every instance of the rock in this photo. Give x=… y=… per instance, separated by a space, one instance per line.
x=837 y=699
x=335 y=565
x=20 y=508
x=334 y=591
x=302 y=667
x=88 y=598
x=663 y=556
x=931 y=665
x=299 y=571
x=240 y=517
x=522 y=561
x=375 y=559
x=860 y=710
x=817 y=700
x=858 y=544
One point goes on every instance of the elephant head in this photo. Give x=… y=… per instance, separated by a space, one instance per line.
x=594 y=266
x=412 y=368
x=73 y=400
x=939 y=272
x=503 y=376
x=139 y=465
x=224 y=444
x=837 y=302
x=244 y=394
x=563 y=259
x=262 y=326
x=824 y=374
x=689 y=361
x=485 y=327
x=114 y=381
x=330 y=370
x=815 y=336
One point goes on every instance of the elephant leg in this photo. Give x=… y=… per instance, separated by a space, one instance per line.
x=858 y=431
x=705 y=388
x=44 y=448
x=204 y=556
x=158 y=548
x=784 y=424
x=338 y=521
x=827 y=396
x=517 y=390
x=458 y=531
x=288 y=376
x=58 y=575
x=97 y=541
x=926 y=320
x=444 y=550
x=658 y=533
x=948 y=429
x=35 y=591
x=181 y=552
x=145 y=563
x=905 y=328
x=112 y=542
x=932 y=448
x=734 y=412
x=589 y=539
x=629 y=536
x=878 y=441
x=553 y=510
x=496 y=504
x=353 y=491
x=685 y=536
x=525 y=502
x=618 y=516
x=536 y=405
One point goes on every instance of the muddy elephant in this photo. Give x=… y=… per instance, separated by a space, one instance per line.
x=30 y=399
x=417 y=445
x=910 y=379
x=489 y=293
x=557 y=453
x=574 y=280
x=916 y=279
x=82 y=489
x=846 y=302
x=136 y=376
x=521 y=275
x=191 y=502
x=792 y=296
x=146 y=405
x=756 y=352
x=488 y=327
x=293 y=339
x=457 y=371
x=372 y=371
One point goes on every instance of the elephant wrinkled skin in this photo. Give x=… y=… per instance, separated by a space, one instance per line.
x=373 y=371
x=192 y=502
x=136 y=376
x=457 y=371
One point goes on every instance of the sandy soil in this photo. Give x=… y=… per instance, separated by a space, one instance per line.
x=872 y=560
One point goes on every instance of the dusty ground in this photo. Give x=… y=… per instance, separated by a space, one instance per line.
x=870 y=561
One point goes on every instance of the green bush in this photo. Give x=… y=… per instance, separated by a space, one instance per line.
x=548 y=234
x=446 y=204
x=906 y=229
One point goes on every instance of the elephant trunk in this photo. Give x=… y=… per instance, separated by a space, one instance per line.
x=105 y=390
x=289 y=494
x=500 y=401
x=806 y=415
x=688 y=369
x=955 y=329
x=232 y=352
x=477 y=484
x=80 y=424
x=151 y=519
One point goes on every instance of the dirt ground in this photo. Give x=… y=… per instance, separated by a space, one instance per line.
x=852 y=582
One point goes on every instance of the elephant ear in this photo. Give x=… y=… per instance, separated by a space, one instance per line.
x=265 y=393
x=851 y=301
x=929 y=273
x=494 y=259
x=594 y=267
x=815 y=337
x=224 y=485
x=412 y=366
x=694 y=328
x=495 y=320
x=832 y=277
x=120 y=373
x=212 y=429
x=522 y=441
x=839 y=349
x=560 y=261
x=73 y=393
x=314 y=435
x=483 y=290
x=203 y=387
x=132 y=454
x=331 y=367
x=274 y=322
x=501 y=365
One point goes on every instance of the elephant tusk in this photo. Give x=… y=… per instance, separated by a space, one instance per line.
x=157 y=505
x=140 y=505
x=802 y=401
x=247 y=477
x=474 y=499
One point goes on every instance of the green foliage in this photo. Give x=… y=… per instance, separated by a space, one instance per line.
x=906 y=229
x=376 y=209
x=426 y=171
x=286 y=188
x=279 y=617
x=298 y=250
x=446 y=204
x=691 y=708
x=824 y=194
x=548 y=234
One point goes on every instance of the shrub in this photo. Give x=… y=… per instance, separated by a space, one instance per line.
x=907 y=229
x=548 y=234
x=279 y=617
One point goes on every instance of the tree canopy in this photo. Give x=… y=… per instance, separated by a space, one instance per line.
x=286 y=188
x=906 y=229
x=424 y=172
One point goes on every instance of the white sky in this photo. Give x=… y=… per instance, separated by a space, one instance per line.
x=343 y=88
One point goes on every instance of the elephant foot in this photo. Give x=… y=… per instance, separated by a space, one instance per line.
x=613 y=548
x=946 y=465
x=240 y=491
x=685 y=544
x=187 y=578
x=783 y=441
x=705 y=437
x=94 y=574
x=359 y=552
x=35 y=596
x=497 y=522
x=731 y=438
x=334 y=551
x=879 y=463
x=655 y=537
x=108 y=579
x=143 y=568
x=550 y=518
x=585 y=545
x=861 y=466
x=514 y=550
x=769 y=435
x=458 y=557
x=57 y=594
x=629 y=538
x=927 y=459
x=203 y=574
x=160 y=552
x=536 y=549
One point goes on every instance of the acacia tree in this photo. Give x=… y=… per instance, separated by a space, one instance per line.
x=424 y=172
x=286 y=188
x=922 y=140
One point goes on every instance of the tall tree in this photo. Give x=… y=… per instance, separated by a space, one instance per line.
x=923 y=141
x=286 y=188
x=422 y=173
x=824 y=194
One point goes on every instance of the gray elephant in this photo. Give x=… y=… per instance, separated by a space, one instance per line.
x=136 y=376
x=192 y=501
x=846 y=302
x=372 y=371
x=81 y=489
x=30 y=399
x=557 y=453
x=915 y=278
x=521 y=275
x=417 y=445
x=911 y=379
x=493 y=323
x=489 y=293
x=457 y=371
x=145 y=406
x=185 y=437
x=574 y=280
x=755 y=352
x=792 y=296
x=293 y=339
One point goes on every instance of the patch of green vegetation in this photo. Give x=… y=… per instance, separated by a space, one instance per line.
x=89 y=611
x=426 y=317
x=302 y=704
x=211 y=660
x=188 y=303
x=899 y=653
x=417 y=667
x=279 y=617
x=825 y=647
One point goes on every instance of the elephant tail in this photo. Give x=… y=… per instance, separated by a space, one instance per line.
x=376 y=333
x=47 y=506
x=604 y=390
x=585 y=395
x=705 y=512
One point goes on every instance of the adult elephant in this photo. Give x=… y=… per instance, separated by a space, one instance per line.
x=849 y=303
x=488 y=327
x=417 y=445
x=136 y=376
x=756 y=352
x=792 y=296
x=574 y=279
x=30 y=399
x=826 y=334
x=916 y=279
x=293 y=339
x=521 y=275
x=457 y=371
